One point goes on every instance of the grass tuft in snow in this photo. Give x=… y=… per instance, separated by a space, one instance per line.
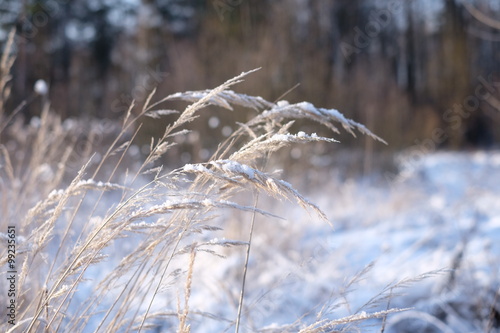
x=102 y=252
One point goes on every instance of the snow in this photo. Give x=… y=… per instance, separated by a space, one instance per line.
x=41 y=87
x=281 y=137
x=300 y=136
x=439 y=213
x=307 y=107
x=235 y=167
x=194 y=168
x=405 y=227
x=99 y=184
x=55 y=193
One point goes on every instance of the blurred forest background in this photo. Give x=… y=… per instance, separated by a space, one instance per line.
x=414 y=71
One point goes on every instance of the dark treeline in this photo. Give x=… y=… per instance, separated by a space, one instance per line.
x=410 y=70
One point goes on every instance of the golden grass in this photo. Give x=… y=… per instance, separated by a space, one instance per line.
x=67 y=229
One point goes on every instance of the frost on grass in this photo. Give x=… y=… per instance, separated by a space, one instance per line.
x=169 y=207
x=305 y=110
x=235 y=173
x=224 y=99
x=300 y=137
x=155 y=224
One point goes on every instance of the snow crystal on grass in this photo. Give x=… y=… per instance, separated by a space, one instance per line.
x=194 y=168
x=86 y=182
x=307 y=107
x=56 y=193
x=280 y=137
x=235 y=167
x=208 y=202
x=141 y=224
x=335 y=114
x=300 y=137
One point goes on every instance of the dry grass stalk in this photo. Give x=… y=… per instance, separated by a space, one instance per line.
x=6 y=62
x=163 y=217
x=183 y=314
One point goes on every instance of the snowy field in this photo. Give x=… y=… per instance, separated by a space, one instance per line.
x=161 y=250
x=427 y=239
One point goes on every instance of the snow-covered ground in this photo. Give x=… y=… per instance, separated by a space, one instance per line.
x=436 y=222
x=426 y=237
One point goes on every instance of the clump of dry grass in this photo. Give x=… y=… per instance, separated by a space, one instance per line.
x=6 y=62
x=67 y=231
